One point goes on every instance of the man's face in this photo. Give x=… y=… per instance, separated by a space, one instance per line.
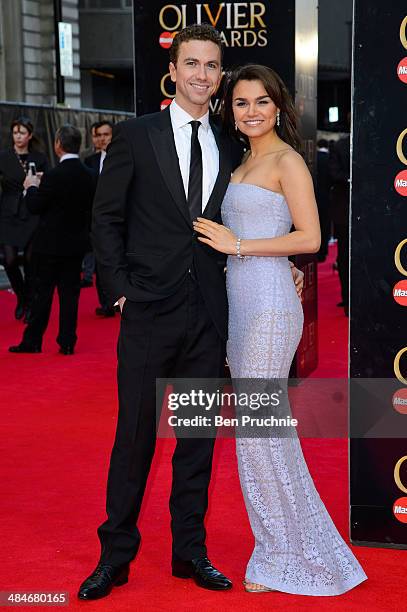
x=95 y=140
x=104 y=133
x=197 y=75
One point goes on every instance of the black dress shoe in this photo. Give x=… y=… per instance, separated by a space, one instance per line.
x=25 y=348
x=101 y=582
x=86 y=283
x=104 y=312
x=203 y=572
x=67 y=350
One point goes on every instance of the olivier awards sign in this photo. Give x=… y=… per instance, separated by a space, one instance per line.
x=261 y=32
x=378 y=467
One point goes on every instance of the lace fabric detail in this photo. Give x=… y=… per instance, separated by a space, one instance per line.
x=297 y=546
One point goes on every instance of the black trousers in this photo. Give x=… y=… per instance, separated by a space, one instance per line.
x=50 y=272
x=173 y=337
x=21 y=285
x=103 y=299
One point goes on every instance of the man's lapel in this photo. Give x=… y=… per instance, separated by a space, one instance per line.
x=223 y=178
x=162 y=140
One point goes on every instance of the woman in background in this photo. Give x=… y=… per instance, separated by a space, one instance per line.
x=17 y=224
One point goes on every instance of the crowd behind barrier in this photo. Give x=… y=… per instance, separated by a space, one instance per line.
x=47 y=119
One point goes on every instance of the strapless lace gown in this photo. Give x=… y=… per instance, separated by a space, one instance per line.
x=297 y=547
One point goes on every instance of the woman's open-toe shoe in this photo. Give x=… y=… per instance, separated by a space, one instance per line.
x=252 y=587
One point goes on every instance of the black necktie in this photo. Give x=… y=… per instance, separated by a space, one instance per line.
x=195 y=174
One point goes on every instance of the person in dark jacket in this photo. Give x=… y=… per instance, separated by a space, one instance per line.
x=17 y=223
x=88 y=264
x=104 y=131
x=63 y=201
x=322 y=195
x=339 y=171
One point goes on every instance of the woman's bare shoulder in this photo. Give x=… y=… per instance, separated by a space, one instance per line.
x=290 y=160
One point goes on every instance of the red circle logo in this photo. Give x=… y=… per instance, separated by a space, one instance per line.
x=400 y=183
x=400 y=292
x=402 y=70
x=166 y=39
x=165 y=103
x=399 y=401
x=400 y=509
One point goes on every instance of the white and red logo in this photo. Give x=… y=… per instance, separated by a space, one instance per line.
x=400 y=292
x=165 y=103
x=399 y=401
x=400 y=509
x=402 y=70
x=166 y=39
x=400 y=183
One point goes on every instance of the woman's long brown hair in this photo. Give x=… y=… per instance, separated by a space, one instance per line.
x=277 y=91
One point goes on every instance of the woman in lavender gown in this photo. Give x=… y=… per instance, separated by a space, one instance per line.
x=297 y=546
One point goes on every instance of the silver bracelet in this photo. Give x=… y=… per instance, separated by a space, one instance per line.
x=238 y=253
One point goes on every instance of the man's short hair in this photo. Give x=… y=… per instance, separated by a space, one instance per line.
x=69 y=137
x=102 y=123
x=94 y=125
x=201 y=31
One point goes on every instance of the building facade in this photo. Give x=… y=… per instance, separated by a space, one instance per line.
x=103 y=55
x=27 y=52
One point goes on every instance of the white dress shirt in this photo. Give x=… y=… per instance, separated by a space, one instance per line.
x=68 y=156
x=102 y=159
x=180 y=120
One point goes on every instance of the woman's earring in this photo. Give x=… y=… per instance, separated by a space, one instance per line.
x=278 y=118
x=236 y=126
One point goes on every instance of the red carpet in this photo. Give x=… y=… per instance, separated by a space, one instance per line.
x=58 y=424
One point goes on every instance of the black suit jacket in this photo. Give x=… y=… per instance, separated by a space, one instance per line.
x=142 y=233
x=64 y=203
x=93 y=161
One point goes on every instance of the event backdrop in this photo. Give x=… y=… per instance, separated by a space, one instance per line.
x=282 y=34
x=378 y=324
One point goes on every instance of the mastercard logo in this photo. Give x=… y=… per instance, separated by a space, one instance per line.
x=400 y=292
x=165 y=103
x=166 y=39
x=400 y=509
x=400 y=183
x=399 y=401
x=402 y=70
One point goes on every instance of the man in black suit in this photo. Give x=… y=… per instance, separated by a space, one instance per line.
x=88 y=264
x=63 y=199
x=104 y=131
x=339 y=170
x=322 y=195
x=161 y=172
